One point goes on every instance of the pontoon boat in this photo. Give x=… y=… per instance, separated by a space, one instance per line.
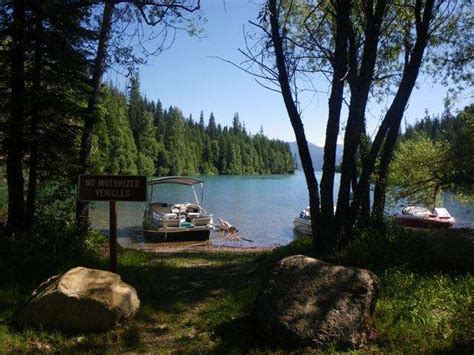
x=166 y=220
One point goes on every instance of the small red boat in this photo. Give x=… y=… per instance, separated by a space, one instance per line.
x=420 y=217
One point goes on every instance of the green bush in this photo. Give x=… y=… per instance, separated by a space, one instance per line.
x=56 y=204
x=48 y=250
x=380 y=248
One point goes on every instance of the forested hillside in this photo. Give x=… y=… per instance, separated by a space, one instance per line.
x=135 y=135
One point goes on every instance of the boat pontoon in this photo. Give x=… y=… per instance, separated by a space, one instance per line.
x=173 y=220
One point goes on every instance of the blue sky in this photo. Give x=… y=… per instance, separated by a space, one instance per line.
x=187 y=76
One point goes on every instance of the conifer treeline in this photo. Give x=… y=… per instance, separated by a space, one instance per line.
x=439 y=127
x=137 y=136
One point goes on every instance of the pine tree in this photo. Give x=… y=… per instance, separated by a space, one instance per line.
x=114 y=150
x=144 y=133
x=211 y=127
x=236 y=125
x=201 y=122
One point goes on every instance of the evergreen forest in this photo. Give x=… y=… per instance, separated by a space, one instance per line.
x=138 y=136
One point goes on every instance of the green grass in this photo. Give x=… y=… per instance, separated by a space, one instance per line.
x=432 y=312
x=203 y=303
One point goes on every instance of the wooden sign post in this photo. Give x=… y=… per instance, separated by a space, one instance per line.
x=112 y=188
x=113 y=236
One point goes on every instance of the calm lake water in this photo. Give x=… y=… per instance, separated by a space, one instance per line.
x=262 y=208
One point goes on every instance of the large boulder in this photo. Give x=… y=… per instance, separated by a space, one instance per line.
x=308 y=302
x=81 y=300
x=450 y=249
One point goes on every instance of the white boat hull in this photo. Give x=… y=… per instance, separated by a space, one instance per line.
x=302 y=225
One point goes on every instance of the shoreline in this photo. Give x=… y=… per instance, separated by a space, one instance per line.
x=194 y=247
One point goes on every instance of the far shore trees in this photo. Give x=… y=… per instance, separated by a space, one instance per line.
x=137 y=136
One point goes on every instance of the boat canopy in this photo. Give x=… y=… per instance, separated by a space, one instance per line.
x=180 y=180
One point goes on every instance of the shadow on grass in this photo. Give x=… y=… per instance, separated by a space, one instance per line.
x=202 y=301
x=186 y=291
x=165 y=286
x=240 y=335
x=205 y=293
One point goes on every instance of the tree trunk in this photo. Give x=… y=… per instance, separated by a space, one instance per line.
x=365 y=202
x=360 y=82
x=15 y=139
x=90 y=119
x=298 y=128
x=30 y=209
x=380 y=189
x=339 y=64
x=394 y=115
x=351 y=142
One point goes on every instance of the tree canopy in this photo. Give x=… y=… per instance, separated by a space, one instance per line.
x=366 y=51
x=435 y=155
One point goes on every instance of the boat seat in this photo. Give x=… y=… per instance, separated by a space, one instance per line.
x=170 y=215
x=160 y=207
x=178 y=208
x=193 y=208
x=193 y=214
x=202 y=221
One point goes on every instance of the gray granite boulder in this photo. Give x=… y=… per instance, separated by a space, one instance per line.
x=81 y=300
x=308 y=302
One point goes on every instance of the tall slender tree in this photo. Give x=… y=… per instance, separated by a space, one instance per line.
x=16 y=122
x=295 y=119
x=342 y=10
x=91 y=114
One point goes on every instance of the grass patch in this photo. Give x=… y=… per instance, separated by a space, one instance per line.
x=202 y=302
x=432 y=312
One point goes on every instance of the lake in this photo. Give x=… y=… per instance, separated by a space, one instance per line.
x=262 y=208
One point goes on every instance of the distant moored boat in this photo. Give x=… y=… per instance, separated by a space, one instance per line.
x=420 y=217
x=303 y=222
